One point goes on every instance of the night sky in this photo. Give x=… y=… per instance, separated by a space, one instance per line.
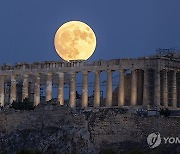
x=124 y=28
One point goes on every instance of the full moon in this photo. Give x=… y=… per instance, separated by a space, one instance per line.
x=75 y=40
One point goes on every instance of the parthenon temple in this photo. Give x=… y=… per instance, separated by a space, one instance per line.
x=149 y=82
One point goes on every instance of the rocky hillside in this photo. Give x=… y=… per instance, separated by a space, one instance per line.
x=59 y=129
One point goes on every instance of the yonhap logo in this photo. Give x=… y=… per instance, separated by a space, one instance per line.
x=154 y=140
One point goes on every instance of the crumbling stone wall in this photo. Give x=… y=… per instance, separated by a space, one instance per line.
x=59 y=128
x=117 y=126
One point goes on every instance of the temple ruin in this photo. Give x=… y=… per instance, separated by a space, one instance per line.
x=148 y=82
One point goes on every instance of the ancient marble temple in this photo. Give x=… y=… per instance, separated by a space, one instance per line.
x=148 y=82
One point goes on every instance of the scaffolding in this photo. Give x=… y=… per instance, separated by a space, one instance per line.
x=169 y=56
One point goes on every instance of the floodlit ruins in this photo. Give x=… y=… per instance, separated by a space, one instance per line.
x=148 y=82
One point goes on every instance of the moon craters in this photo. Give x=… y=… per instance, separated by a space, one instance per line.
x=75 y=41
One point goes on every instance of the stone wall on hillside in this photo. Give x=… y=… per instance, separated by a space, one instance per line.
x=85 y=131
x=118 y=126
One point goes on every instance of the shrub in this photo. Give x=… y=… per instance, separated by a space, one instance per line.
x=24 y=105
x=165 y=112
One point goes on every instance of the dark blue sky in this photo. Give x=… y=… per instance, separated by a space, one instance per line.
x=124 y=28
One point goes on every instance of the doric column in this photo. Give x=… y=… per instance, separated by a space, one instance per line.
x=97 y=89
x=109 y=88
x=25 y=87
x=2 y=90
x=72 y=99
x=121 y=100
x=49 y=87
x=165 y=89
x=157 y=88
x=85 y=89
x=61 y=88
x=174 y=90
x=13 y=89
x=146 y=89
x=37 y=90
x=133 y=88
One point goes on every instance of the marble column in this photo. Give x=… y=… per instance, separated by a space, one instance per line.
x=165 y=89
x=109 y=88
x=13 y=89
x=157 y=88
x=97 y=89
x=146 y=89
x=49 y=87
x=25 y=87
x=2 y=98
x=174 y=90
x=37 y=90
x=85 y=89
x=72 y=99
x=61 y=88
x=133 y=88
x=121 y=100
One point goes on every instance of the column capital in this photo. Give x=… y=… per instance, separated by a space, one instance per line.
x=109 y=71
x=37 y=75
x=85 y=72
x=2 y=77
x=133 y=69
x=49 y=74
x=121 y=70
x=97 y=71
x=61 y=74
x=13 y=76
x=25 y=75
x=37 y=79
x=164 y=70
x=72 y=73
x=175 y=71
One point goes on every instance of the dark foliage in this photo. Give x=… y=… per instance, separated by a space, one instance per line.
x=165 y=112
x=29 y=151
x=107 y=151
x=25 y=105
